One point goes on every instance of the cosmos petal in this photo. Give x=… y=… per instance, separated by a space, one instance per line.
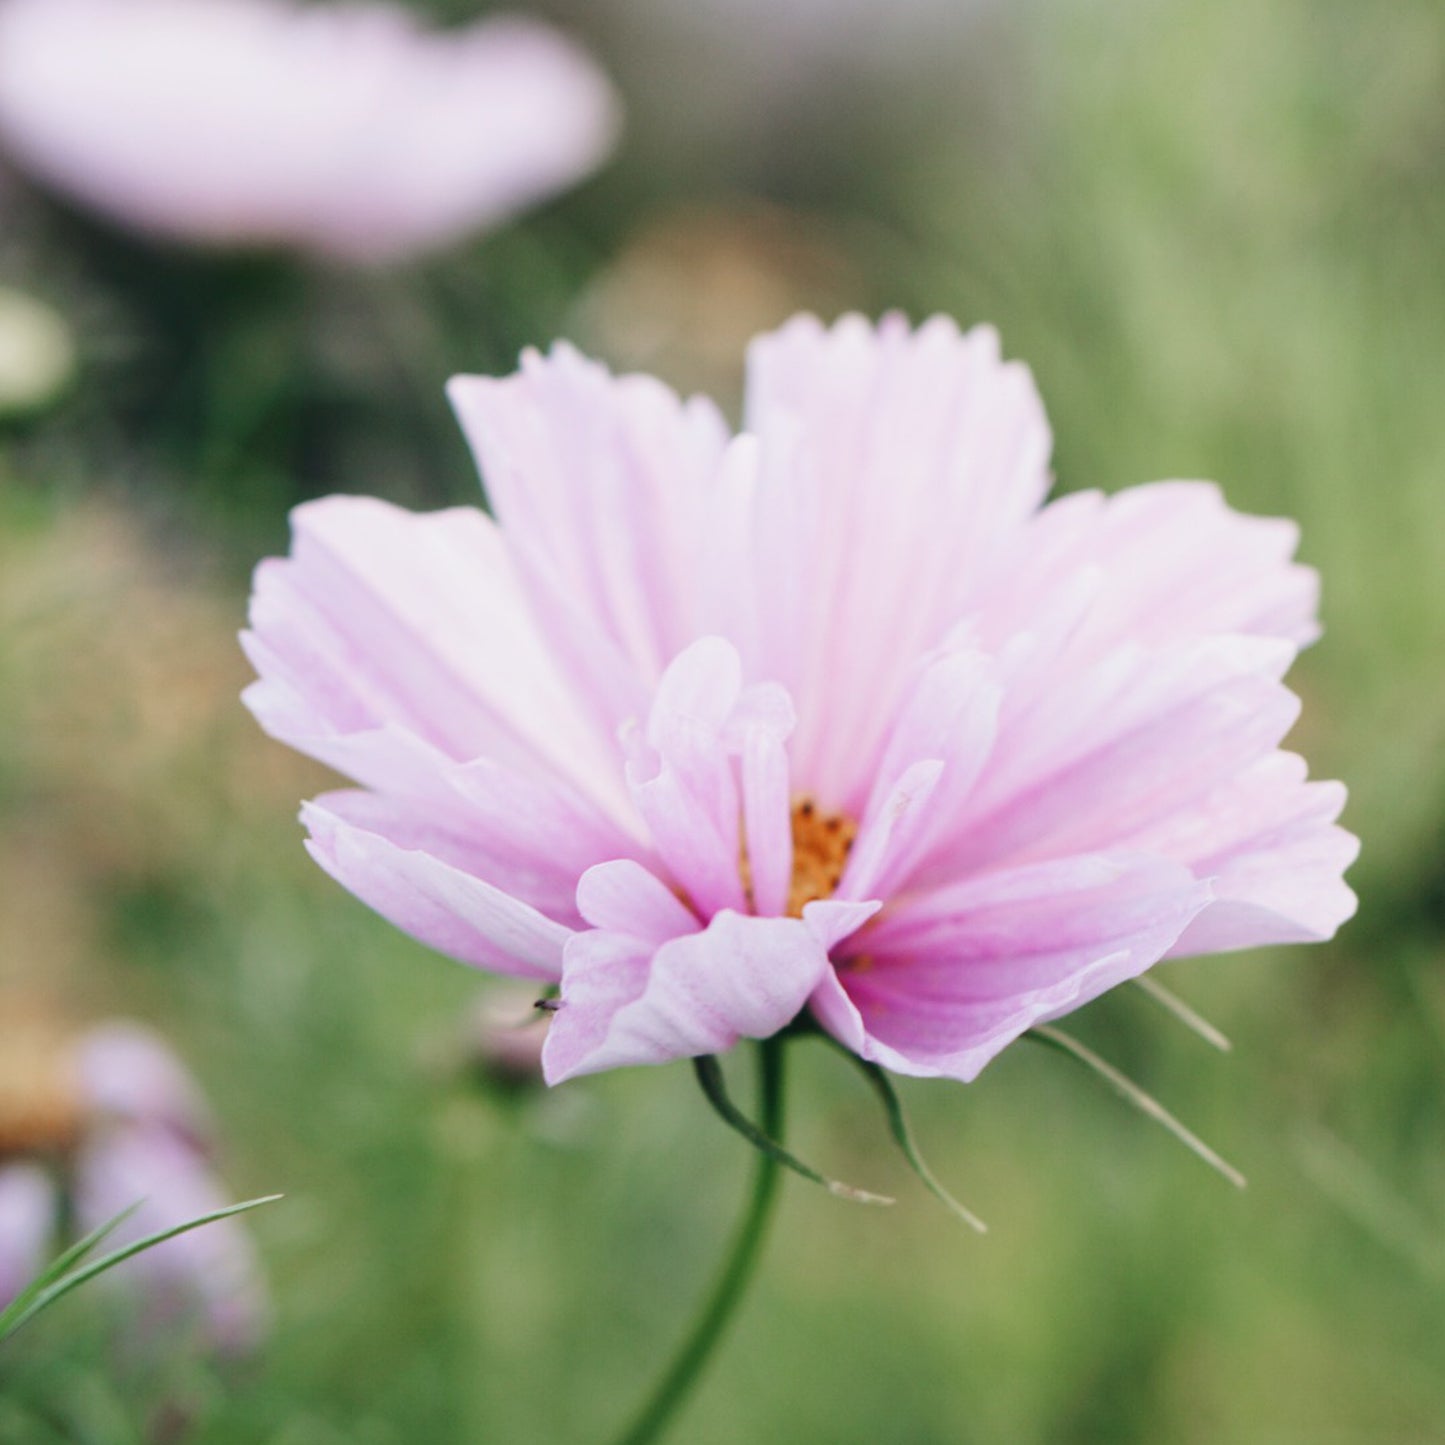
x=625 y=1003
x=1175 y=561
x=389 y=636
x=601 y=485
x=938 y=984
x=892 y=463
x=445 y=908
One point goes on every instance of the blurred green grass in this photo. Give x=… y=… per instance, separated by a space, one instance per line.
x=1215 y=231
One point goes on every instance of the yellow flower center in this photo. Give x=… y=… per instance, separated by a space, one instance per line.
x=821 y=843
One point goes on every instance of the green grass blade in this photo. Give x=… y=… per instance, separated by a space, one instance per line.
x=1145 y=1103
x=57 y=1267
x=710 y=1077
x=46 y=1295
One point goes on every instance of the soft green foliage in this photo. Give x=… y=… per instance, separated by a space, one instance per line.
x=1215 y=228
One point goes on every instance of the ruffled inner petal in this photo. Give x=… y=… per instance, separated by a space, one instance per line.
x=935 y=752
x=710 y=778
x=626 y=1001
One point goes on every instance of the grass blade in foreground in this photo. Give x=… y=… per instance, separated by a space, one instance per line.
x=58 y=1267
x=53 y=1282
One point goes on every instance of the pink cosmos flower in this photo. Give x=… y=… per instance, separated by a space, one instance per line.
x=835 y=714
x=341 y=128
x=28 y=1207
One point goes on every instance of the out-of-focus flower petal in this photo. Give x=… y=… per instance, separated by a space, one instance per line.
x=128 y=1073
x=341 y=128
x=28 y=1206
x=445 y=908
x=625 y=1001
x=210 y=1274
x=940 y=983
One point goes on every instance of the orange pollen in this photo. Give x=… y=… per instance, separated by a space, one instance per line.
x=821 y=844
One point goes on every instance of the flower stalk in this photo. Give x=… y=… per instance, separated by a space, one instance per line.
x=687 y=1366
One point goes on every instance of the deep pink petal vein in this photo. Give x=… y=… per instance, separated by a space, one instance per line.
x=834 y=714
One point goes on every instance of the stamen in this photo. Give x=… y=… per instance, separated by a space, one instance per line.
x=821 y=844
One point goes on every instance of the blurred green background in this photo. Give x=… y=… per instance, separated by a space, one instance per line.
x=1216 y=230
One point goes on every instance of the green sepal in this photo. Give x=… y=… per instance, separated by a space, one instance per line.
x=1194 y=1021
x=1146 y=1103
x=710 y=1077
x=903 y=1137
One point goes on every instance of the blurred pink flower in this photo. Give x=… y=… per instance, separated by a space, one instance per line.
x=142 y=1137
x=29 y=1203
x=341 y=128
x=210 y=1277
x=834 y=714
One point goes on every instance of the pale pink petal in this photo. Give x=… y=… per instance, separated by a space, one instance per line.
x=1173 y=561
x=684 y=775
x=444 y=907
x=939 y=983
x=682 y=778
x=211 y=1273
x=938 y=745
x=767 y=829
x=531 y=854
x=388 y=635
x=1086 y=760
x=480 y=124
x=1268 y=842
x=623 y=1003
x=891 y=465
x=29 y=1205
x=834 y=919
x=624 y=897
x=602 y=486
x=340 y=128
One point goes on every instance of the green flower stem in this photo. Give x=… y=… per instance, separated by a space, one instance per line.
x=687 y=1365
